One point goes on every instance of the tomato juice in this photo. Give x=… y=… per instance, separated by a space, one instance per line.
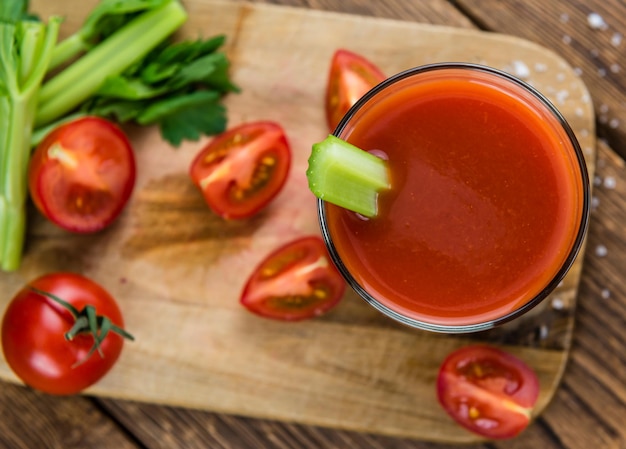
x=488 y=205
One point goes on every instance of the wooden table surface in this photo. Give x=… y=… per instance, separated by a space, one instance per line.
x=589 y=408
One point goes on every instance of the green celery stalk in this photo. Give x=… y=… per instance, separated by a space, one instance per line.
x=342 y=174
x=25 y=51
x=132 y=42
x=106 y=18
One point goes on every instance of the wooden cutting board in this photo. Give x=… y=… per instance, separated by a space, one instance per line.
x=177 y=270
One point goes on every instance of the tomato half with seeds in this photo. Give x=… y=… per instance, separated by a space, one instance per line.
x=82 y=174
x=351 y=76
x=240 y=171
x=62 y=332
x=295 y=282
x=488 y=391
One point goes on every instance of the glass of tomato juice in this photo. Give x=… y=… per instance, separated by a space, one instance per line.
x=489 y=203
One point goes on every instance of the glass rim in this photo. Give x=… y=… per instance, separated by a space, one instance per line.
x=565 y=266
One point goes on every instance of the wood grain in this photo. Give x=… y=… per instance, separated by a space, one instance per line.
x=195 y=346
x=84 y=425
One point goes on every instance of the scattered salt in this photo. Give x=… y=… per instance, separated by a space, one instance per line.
x=596 y=21
x=614 y=123
x=616 y=39
x=544 y=331
x=584 y=132
x=579 y=112
x=567 y=39
x=610 y=182
x=615 y=68
x=606 y=293
x=564 y=17
x=597 y=180
x=602 y=72
x=521 y=69
x=594 y=52
x=601 y=250
x=541 y=67
x=578 y=71
x=560 y=77
x=604 y=108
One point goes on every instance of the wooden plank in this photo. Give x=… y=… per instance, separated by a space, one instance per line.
x=33 y=420
x=563 y=26
x=196 y=347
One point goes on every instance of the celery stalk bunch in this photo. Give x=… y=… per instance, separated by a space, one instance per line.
x=119 y=65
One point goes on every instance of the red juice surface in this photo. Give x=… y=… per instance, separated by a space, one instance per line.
x=485 y=204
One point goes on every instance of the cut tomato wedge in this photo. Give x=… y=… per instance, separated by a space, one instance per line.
x=488 y=391
x=240 y=171
x=295 y=282
x=351 y=76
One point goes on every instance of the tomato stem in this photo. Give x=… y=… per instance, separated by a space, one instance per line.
x=87 y=321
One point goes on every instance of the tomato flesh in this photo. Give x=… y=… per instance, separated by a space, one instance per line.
x=243 y=169
x=295 y=282
x=350 y=77
x=82 y=174
x=488 y=391
x=33 y=335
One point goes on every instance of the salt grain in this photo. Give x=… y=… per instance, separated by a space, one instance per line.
x=614 y=123
x=557 y=304
x=595 y=202
x=606 y=293
x=615 y=68
x=564 y=17
x=579 y=112
x=604 y=108
x=567 y=39
x=597 y=180
x=616 y=39
x=560 y=77
x=561 y=96
x=578 y=71
x=602 y=72
x=596 y=21
x=521 y=69
x=610 y=182
x=601 y=250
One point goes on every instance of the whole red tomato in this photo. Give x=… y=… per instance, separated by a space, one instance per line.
x=351 y=76
x=82 y=174
x=488 y=391
x=295 y=282
x=240 y=171
x=61 y=333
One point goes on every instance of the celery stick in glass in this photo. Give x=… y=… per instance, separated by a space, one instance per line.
x=347 y=176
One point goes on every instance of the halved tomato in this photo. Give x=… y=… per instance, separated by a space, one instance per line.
x=295 y=282
x=82 y=174
x=350 y=77
x=488 y=391
x=240 y=171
